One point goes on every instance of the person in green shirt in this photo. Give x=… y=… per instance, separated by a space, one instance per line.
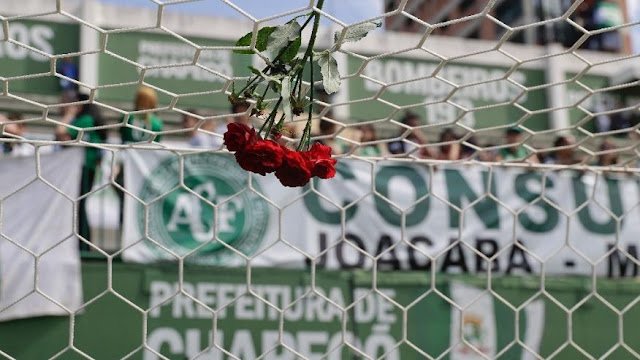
x=516 y=152
x=79 y=117
x=146 y=100
x=137 y=128
x=368 y=134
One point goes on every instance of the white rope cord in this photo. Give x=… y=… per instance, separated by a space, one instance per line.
x=384 y=77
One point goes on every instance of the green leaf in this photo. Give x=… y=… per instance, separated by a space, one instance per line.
x=357 y=32
x=255 y=71
x=259 y=73
x=275 y=86
x=281 y=37
x=292 y=51
x=261 y=40
x=330 y=73
x=286 y=98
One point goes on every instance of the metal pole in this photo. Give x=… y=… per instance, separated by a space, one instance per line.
x=529 y=17
x=89 y=40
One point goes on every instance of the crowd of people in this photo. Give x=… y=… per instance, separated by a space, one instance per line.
x=595 y=15
x=592 y=15
x=142 y=125
x=411 y=140
x=76 y=114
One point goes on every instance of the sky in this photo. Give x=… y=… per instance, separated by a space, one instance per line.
x=634 y=9
x=348 y=11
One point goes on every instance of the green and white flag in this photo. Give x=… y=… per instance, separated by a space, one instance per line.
x=204 y=208
x=215 y=218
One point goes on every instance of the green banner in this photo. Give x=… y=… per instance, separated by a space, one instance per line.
x=598 y=102
x=416 y=94
x=152 y=49
x=285 y=315
x=50 y=37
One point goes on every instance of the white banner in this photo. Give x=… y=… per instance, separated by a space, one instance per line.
x=474 y=323
x=37 y=223
x=473 y=330
x=469 y=218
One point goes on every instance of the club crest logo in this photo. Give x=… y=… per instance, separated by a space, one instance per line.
x=210 y=217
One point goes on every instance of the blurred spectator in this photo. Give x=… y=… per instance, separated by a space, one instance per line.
x=14 y=127
x=622 y=119
x=516 y=152
x=546 y=15
x=197 y=138
x=607 y=13
x=449 y=151
x=68 y=68
x=602 y=121
x=240 y=114
x=368 y=134
x=467 y=152
x=6 y=127
x=609 y=158
x=565 y=156
x=81 y=117
x=612 y=121
x=583 y=16
x=595 y=15
x=189 y=122
x=488 y=155
x=290 y=130
x=329 y=129
x=146 y=99
x=402 y=147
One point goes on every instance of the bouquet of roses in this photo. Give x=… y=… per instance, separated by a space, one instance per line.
x=283 y=74
x=263 y=156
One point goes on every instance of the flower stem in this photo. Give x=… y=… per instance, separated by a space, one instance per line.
x=267 y=68
x=311 y=98
x=304 y=25
x=249 y=83
x=280 y=124
x=314 y=32
x=256 y=80
x=306 y=134
x=268 y=124
x=266 y=89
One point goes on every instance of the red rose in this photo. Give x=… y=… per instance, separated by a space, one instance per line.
x=318 y=152
x=238 y=136
x=260 y=157
x=295 y=170
x=323 y=164
x=325 y=169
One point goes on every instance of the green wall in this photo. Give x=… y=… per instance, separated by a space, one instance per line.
x=111 y=328
x=152 y=49
x=49 y=37
x=413 y=94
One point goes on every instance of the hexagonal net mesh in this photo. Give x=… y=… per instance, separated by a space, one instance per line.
x=482 y=209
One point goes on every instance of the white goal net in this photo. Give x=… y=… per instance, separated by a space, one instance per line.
x=483 y=206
